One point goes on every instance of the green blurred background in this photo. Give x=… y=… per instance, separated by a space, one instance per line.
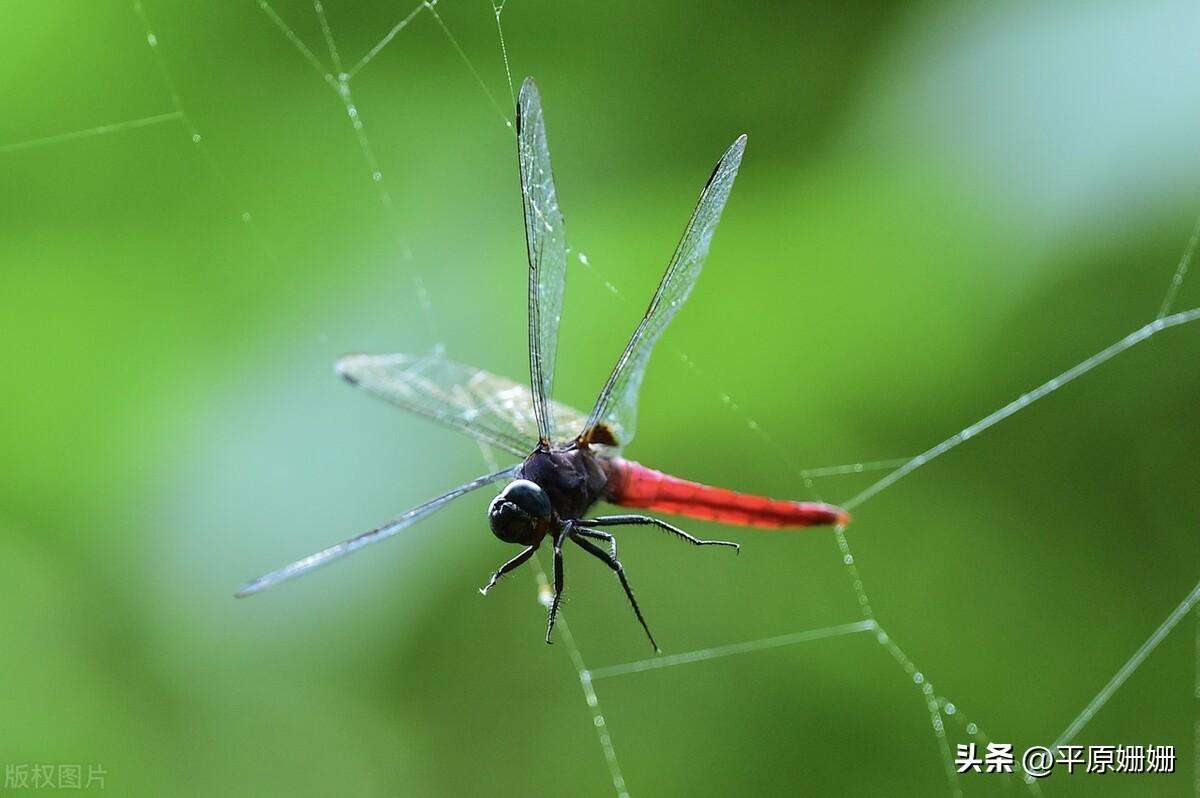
x=940 y=207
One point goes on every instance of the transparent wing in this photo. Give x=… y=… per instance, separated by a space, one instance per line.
x=616 y=407
x=546 y=242
x=355 y=543
x=490 y=408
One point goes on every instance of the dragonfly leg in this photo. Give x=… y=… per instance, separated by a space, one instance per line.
x=619 y=570
x=596 y=534
x=511 y=565
x=645 y=520
x=558 y=581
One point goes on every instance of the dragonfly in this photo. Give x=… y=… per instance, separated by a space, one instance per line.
x=552 y=488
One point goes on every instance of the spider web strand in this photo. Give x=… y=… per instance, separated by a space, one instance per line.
x=545 y=597
x=856 y=582
x=387 y=39
x=327 y=32
x=931 y=705
x=937 y=706
x=1026 y=399
x=499 y=9
x=341 y=87
x=1130 y=666
x=730 y=649
x=475 y=72
x=194 y=134
x=101 y=130
x=1181 y=271
x=853 y=468
x=291 y=36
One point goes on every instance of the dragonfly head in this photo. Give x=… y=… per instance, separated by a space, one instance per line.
x=521 y=513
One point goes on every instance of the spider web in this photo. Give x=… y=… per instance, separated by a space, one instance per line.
x=330 y=67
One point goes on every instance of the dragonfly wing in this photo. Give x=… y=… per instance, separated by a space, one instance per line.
x=339 y=550
x=546 y=242
x=616 y=407
x=490 y=408
x=471 y=400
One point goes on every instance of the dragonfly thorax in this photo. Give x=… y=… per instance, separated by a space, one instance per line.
x=571 y=476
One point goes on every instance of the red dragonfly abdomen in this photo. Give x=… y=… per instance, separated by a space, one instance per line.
x=632 y=484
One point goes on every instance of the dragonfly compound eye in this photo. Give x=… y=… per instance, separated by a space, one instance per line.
x=517 y=513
